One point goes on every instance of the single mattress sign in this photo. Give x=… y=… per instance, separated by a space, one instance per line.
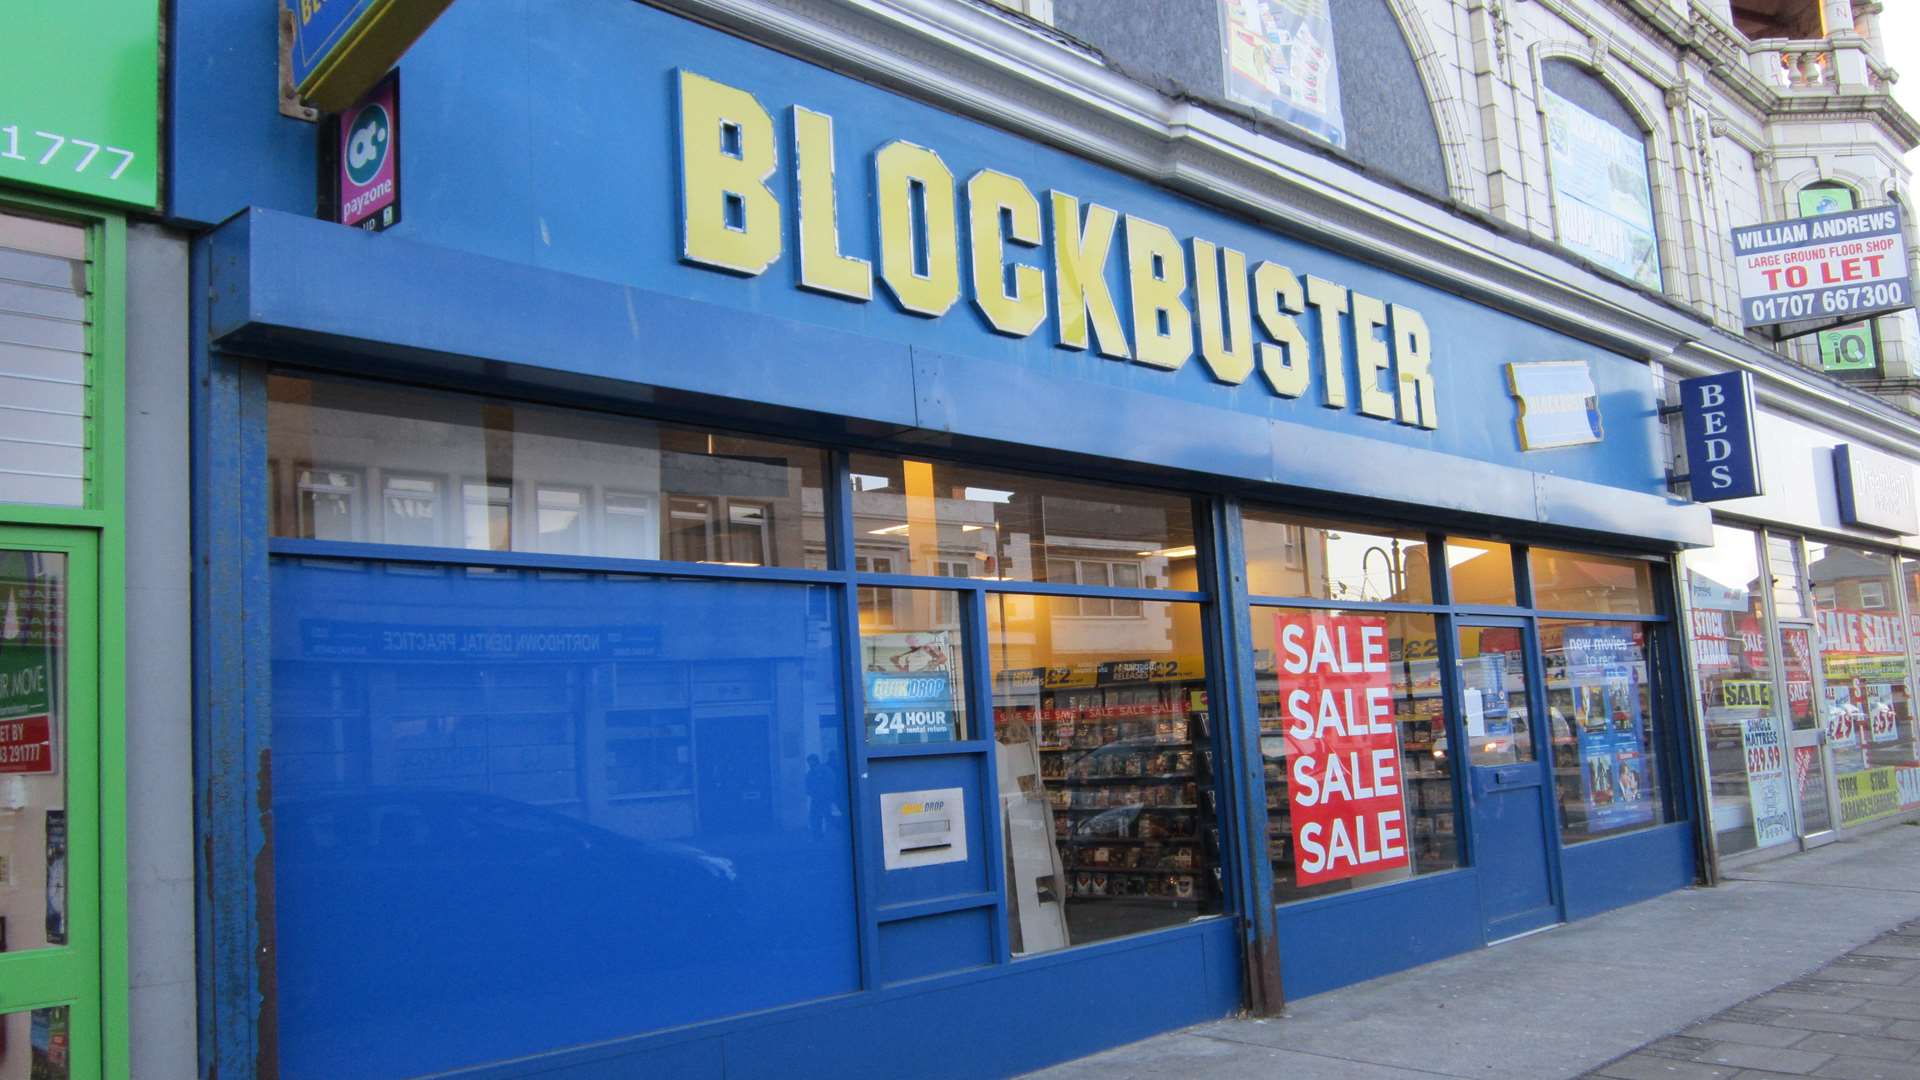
x=1849 y=264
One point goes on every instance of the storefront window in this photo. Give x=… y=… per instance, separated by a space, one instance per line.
x=1293 y=556
x=1601 y=717
x=1480 y=572
x=1359 y=776
x=37 y=1044
x=1106 y=770
x=939 y=519
x=44 y=368
x=1864 y=652
x=1783 y=562
x=34 y=718
x=1573 y=581
x=362 y=462
x=914 y=666
x=1747 y=760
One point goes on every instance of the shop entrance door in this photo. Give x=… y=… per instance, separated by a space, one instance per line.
x=1511 y=842
x=50 y=966
x=1806 y=737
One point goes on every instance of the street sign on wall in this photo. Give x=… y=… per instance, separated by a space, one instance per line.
x=341 y=48
x=1851 y=263
x=79 y=98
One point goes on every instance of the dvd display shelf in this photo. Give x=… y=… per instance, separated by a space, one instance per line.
x=1128 y=774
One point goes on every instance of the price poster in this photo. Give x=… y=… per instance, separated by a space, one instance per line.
x=1342 y=747
x=1766 y=780
x=1602 y=673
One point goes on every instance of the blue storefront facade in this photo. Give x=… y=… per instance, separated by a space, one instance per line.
x=756 y=574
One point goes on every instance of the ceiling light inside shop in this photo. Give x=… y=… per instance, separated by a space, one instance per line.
x=1184 y=551
x=991 y=495
x=891 y=530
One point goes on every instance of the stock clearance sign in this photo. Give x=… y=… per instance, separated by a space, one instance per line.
x=1343 y=757
x=1850 y=263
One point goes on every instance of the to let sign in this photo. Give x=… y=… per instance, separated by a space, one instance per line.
x=1852 y=263
x=1343 y=756
x=1723 y=459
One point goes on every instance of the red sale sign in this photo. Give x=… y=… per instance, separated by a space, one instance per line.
x=26 y=744
x=1343 y=757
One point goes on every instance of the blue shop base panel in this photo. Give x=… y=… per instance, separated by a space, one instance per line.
x=1606 y=874
x=1352 y=937
x=997 y=1022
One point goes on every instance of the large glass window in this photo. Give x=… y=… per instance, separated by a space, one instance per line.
x=365 y=462
x=596 y=804
x=940 y=519
x=1290 y=555
x=1863 y=666
x=1332 y=827
x=1745 y=725
x=1106 y=769
x=1604 y=728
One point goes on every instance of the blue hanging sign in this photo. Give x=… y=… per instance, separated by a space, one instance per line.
x=1723 y=457
x=341 y=48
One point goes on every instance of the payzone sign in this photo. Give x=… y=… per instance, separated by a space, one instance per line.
x=1343 y=754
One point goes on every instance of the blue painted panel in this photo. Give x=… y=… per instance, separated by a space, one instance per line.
x=919 y=773
x=1009 y=1019
x=520 y=810
x=1602 y=875
x=1352 y=937
x=936 y=944
x=1510 y=826
x=571 y=166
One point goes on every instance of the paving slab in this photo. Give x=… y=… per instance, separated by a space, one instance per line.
x=1618 y=995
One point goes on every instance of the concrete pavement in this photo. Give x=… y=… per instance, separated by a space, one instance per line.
x=1593 y=995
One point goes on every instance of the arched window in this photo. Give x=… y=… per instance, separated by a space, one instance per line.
x=1339 y=72
x=1597 y=168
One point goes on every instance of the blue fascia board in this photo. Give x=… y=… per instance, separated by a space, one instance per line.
x=282 y=281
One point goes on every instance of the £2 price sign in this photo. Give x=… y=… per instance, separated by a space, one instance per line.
x=1343 y=757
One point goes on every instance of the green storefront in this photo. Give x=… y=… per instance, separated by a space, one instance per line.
x=78 y=149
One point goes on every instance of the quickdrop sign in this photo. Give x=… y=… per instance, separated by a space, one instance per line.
x=1717 y=414
x=1343 y=754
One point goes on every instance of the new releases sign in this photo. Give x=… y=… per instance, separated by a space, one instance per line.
x=1852 y=263
x=1343 y=755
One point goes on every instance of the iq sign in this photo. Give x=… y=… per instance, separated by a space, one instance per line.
x=369 y=151
x=1343 y=756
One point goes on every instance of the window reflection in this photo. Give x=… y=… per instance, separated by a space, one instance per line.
x=1480 y=572
x=946 y=520
x=485 y=784
x=1575 y=581
x=1294 y=556
x=363 y=462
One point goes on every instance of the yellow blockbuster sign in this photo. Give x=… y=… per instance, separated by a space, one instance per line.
x=732 y=220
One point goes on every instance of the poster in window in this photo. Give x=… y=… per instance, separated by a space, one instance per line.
x=1602 y=201
x=1766 y=760
x=910 y=690
x=1342 y=745
x=1603 y=674
x=1280 y=60
x=30 y=636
